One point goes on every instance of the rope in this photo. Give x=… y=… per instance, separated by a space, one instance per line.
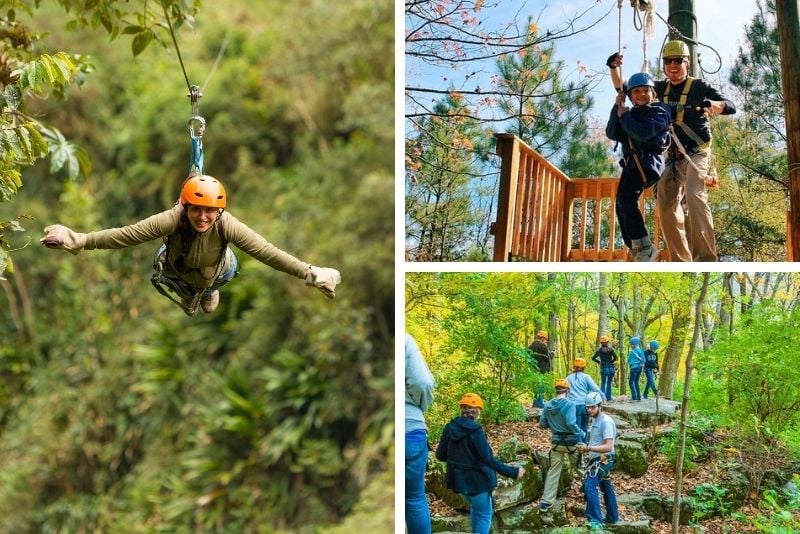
x=672 y=29
x=177 y=49
x=619 y=26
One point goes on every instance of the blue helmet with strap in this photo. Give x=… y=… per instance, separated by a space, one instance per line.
x=640 y=79
x=634 y=340
x=654 y=345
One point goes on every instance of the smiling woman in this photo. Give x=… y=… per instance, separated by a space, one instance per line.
x=194 y=262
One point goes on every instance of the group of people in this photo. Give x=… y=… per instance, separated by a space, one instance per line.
x=579 y=431
x=666 y=143
x=639 y=360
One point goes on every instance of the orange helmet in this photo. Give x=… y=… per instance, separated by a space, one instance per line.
x=472 y=400
x=543 y=334
x=580 y=363
x=604 y=339
x=562 y=383
x=202 y=190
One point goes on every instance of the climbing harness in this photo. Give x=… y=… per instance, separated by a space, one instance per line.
x=598 y=466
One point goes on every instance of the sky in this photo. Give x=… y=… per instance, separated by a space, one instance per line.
x=720 y=23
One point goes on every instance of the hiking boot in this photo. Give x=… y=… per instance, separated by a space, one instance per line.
x=544 y=506
x=189 y=306
x=646 y=254
x=210 y=301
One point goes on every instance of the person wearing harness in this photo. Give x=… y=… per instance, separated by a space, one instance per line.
x=597 y=477
x=643 y=132
x=651 y=368
x=419 y=396
x=559 y=416
x=579 y=385
x=605 y=357
x=471 y=465
x=195 y=261
x=689 y=236
x=543 y=361
x=636 y=363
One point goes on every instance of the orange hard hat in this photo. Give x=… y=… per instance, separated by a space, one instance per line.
x=604 y=339
x=562 y=383
x=542 y=333
x=202 y=190
x=473 y=400
x=580 y=363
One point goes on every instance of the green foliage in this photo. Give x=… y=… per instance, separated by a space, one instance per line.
x=274 y=413
x=709 y=499
x=780 y=512
x=698 y=447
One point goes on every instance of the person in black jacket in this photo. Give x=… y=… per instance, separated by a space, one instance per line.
x=471 y=464
x=542 y=362
x=605 y=357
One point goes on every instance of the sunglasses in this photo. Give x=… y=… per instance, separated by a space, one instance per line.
x=673 y=60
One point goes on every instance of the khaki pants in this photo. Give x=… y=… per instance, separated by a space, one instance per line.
x=559 y=455
x=689 y=235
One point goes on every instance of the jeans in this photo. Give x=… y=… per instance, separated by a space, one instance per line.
x=651 y=382
x=418 y=516
x=582 y=417
x=480 y=512
x=598 y=480
x=606 y=379
x=633 y=382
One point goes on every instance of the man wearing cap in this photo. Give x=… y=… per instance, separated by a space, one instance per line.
x=559 y=416
x=689 y=235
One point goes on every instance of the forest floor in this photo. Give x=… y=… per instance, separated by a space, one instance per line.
x=660 y=477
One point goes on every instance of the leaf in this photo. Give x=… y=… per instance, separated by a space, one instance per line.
x=48 y=68
x=13 y=96
x=141 y=41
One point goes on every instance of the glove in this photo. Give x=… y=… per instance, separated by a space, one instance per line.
x=614 y=60
x=324 y=279
x=59 y=236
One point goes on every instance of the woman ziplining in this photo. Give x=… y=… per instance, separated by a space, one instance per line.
x=194 y=260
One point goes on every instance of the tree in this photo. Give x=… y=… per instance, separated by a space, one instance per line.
x=28 y=75
x=441 y=215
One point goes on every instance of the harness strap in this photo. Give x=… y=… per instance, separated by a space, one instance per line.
x=636 y=160
x=680 y=108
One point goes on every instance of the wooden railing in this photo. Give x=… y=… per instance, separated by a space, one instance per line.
x=543 y=215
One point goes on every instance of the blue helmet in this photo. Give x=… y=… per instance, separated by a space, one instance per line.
x=634 y=340
x=654 y=345
x=640 y=79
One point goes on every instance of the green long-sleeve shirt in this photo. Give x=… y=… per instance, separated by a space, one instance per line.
x=200 y=265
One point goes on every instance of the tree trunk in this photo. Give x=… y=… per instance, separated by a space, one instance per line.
x=622 y=303
x=681 y=319
x=603 y=327
x=687 y=382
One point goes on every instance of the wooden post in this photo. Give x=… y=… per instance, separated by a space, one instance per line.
x=681 y=16
x=508 y=150
x=788 y=14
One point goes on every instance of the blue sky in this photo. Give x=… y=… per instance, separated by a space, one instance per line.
x=720 y=23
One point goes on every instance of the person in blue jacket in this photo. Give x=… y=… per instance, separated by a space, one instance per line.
x=471 y=464
x=579 y=385
x=419 y=396
x=559 y=416
x=651 y=368
x=636 y=364
x=643 y=131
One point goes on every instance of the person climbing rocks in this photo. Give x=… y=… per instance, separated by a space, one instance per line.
x=636 y=364
x=643 y=131
x=601 y=461
x=579 y=385
x=559 y=416
x=682 y=198
x=651 y=367
x=471 y=465
x=542 y=360
x=419 y=396
x=605 y=357
x=195 y=261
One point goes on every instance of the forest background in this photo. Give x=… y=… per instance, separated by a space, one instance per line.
x=512 y=78
x=474 y=329
x=119 y=413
